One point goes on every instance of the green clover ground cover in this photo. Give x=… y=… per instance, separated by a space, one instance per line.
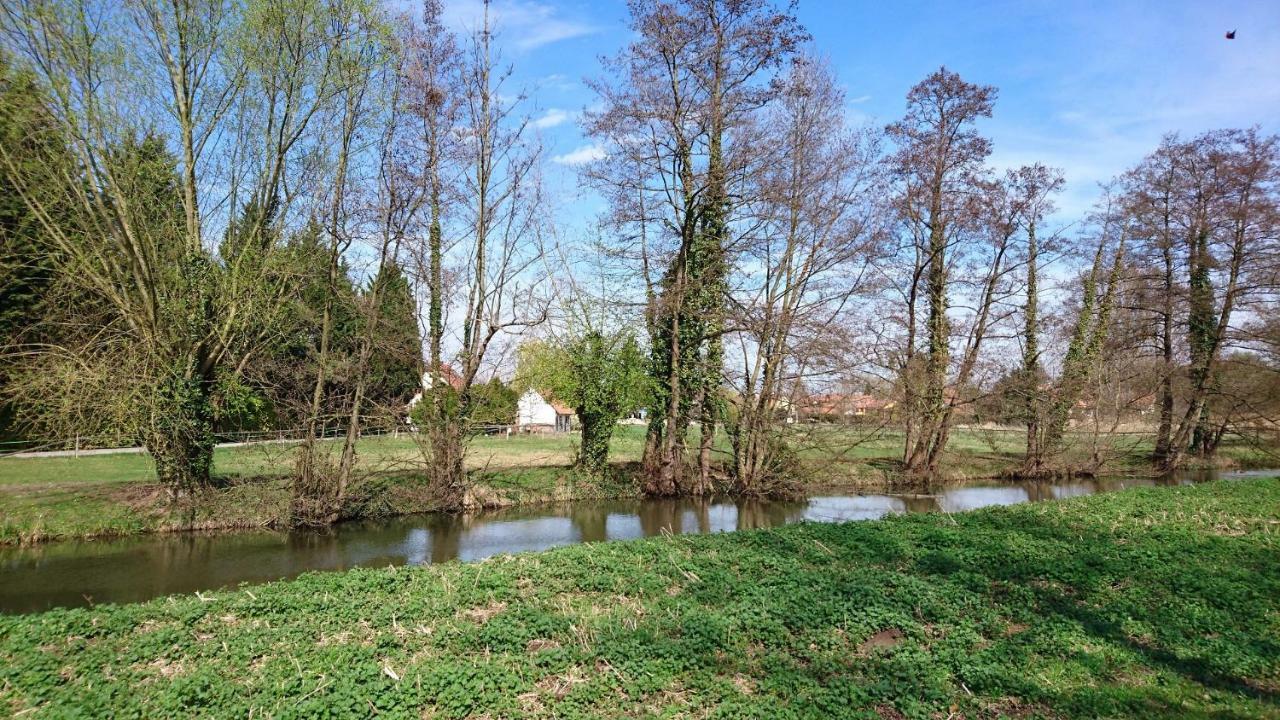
x=1146 y=603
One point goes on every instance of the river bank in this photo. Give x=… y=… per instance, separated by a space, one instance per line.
x=1150 y=602
x=137 y=568
x=102 y=496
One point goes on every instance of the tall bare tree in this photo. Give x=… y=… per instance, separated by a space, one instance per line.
x=802 y=265
x=697 y=72
x=1100 y=289
x=499 y=229
x=1207 y=208
x=1033 y=188
x=367 y=107
x=938 y=164
x=433 y=99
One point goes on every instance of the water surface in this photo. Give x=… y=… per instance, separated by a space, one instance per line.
x=132 y=569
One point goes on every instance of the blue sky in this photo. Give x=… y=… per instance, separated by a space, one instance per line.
x=1089 y=87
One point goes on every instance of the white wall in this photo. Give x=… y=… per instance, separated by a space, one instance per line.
x=533 y=409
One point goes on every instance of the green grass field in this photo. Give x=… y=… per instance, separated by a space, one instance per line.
x=1154 y=603
x=973 y=453
x=377 y=454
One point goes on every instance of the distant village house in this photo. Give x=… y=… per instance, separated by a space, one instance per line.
x=447 y=376
x=536 y=413
x=841 y=407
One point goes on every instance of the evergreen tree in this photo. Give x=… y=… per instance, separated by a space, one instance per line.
x=25 y=267
x=395 y=365
x=286 y=373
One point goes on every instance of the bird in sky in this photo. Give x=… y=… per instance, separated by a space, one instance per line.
x=1231 y=34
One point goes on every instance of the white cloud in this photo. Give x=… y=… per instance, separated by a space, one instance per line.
x=859 y=99
x=525 y=24
x=557 y=81
x=580 y=156
x=551 y=118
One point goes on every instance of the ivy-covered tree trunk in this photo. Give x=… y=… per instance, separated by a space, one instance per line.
x=1201 y=334
x=597 y=431
x=180 y=436
x=1087 y=338
x=179 y=431
x=939 y=150
x=674 y=362
x=921 y=457
x=1164 y=432
x=712 y=279
x=656 y=482
x=664 y=462
x=710 y=328
x=1206 y=327
x=605 y=377
x=1034 y=461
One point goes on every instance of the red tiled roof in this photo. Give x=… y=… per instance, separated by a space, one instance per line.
x=836 y=403
x=449 y=375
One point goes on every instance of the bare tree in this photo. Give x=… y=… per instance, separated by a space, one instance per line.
x=499 y=228
x=1033 y=188
x=938 y=164
x=802 y=266
x=1099 y=290
x=1207 y=208
x=697 y=72
x=433 y=99
x=369 y=104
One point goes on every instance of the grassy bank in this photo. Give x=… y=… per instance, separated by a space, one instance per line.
x=1145 y=603
x=66 y=511
x=50 y=498
x=54 y=498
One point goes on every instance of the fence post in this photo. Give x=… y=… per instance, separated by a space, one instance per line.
x=77 y=444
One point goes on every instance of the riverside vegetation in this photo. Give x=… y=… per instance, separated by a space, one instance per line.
x=53 y=498
x=1145 y=603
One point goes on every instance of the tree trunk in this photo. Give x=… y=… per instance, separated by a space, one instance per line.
x=1034 y=461
x=932 y=402
x=180 y=436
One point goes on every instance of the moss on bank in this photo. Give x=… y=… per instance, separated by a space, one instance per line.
x=1145 y=603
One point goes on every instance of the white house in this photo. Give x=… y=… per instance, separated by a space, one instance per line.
x=448 y=376
x=534 y=413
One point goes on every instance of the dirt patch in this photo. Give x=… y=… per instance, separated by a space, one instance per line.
x=167 y=668
x=537 y=645
x=481 y=615
x=1015 y=629
x=884 y=639
x=558 y=686
x=1270 y=686
x=142 y=497
x=889 y=712
x=1015 y=707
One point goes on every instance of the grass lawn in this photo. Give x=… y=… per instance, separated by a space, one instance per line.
x=1154 y=603
x=380 y=453
x=854 y=453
